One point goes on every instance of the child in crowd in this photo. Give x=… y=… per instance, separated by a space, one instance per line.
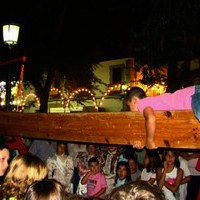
x=95 y=180
x=169 y=176
x=134 y=171
x=186 y=176
x=187 y=98
x=45 y=190
x=122 y=173
x=83 y=168
x=109 y=164
x=60 y=166
x=82 y=162
x=138 y=190
x=151 y=163
x=22 y=172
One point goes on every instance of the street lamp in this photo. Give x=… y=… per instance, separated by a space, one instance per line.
x=10 y=34
x=10 y=37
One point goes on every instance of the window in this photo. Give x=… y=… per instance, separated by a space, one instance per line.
x=116 y=74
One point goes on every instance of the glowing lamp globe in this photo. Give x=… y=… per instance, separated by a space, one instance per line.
x=10 y=34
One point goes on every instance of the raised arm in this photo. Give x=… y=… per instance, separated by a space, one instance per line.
x=85 y=178
x=160 y=176
x=150 y=125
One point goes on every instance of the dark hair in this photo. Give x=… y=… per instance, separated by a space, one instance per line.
x=137 y=190
x=65 y=143
x=135 y=91
x=133 y=158
x=93 y=159
x=44 y=190
x=175 y=153
x=126 y=165
x=154 y=160
x=3 y=146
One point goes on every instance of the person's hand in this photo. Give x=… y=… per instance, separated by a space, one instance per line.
x=79 y=155
x=165 y=165
x=151 y=145
x=89 y=173
x=138 y=145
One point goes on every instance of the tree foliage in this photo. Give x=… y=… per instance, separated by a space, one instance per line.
x=72 y=36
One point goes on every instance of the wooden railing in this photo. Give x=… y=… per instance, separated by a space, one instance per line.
x=177 y=129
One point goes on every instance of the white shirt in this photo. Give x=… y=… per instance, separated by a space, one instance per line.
x=192 y=164
x=145 y=176
x=186 y=172
x=170 y=176
x=74 y=149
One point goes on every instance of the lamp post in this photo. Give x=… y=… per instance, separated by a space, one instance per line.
x=10 y=37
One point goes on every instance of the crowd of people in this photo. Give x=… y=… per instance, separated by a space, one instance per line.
x=58 y=170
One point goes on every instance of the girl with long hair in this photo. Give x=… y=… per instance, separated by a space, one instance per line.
x=22 y=172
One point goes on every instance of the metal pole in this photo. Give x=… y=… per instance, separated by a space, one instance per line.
x=8 y=82
x=8 y=89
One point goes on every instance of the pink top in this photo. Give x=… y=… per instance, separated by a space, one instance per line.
x=95 y=183
x=179 y=100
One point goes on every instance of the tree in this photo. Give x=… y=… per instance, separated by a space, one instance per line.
x=43 y=43
x=71 y=36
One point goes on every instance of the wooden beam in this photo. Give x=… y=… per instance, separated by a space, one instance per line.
x=177 y=129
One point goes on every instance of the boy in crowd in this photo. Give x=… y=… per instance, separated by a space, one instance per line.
x=95 y=180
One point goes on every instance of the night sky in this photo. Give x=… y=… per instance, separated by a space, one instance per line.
x=64 y=31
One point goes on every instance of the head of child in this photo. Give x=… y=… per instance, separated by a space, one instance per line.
x=112 y=148
x=133 y=97
x=4 y=158
x=45 y=190
x=123 y=171
x=61 y=148
x=132 y=161
x=93 y=164
x=171 y=158
x=137 y=190
x=22 y=172
x=152 y=160
x=91 y=149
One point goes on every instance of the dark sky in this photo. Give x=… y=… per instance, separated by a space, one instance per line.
x=69 y=29
x=73 y=27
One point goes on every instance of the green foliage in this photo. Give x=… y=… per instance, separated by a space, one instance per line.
x=151 y=76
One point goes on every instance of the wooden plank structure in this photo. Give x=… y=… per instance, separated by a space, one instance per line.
x=176 y=129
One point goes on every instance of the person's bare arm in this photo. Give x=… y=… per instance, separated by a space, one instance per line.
x=85 y=178
x=152 y=181
x=160 y=176
x=150 y=125
x=174 y=187
x=185 y=180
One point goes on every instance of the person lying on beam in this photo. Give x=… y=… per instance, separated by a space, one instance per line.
x=184 y=99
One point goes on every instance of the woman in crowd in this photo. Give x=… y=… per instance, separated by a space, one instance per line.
x=4 y=158
x=22 y=172
x=60 y=166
